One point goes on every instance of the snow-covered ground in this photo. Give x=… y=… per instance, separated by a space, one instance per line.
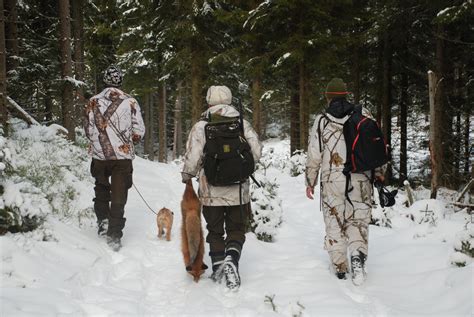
x=66 y=269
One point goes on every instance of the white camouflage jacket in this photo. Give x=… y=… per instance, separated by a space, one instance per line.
x=327 y=148
x=217 y=195
x=112 y=118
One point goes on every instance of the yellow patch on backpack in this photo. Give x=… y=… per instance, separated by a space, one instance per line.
x=226 y=148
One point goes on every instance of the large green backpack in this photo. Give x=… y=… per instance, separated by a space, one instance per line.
x=228 y=159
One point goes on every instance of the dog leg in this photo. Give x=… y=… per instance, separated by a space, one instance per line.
x=168 y=233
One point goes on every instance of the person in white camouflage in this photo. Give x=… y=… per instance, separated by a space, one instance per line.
x=222 y=205
x=113 y=124
x=346 y=221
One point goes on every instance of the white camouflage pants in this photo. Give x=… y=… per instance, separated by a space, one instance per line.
x=347 y=225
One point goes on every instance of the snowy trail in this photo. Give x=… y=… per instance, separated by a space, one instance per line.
x=77 y=274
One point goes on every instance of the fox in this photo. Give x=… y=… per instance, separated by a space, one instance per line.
x=164 y=220
x=192 y=240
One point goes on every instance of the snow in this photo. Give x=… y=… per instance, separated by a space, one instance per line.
x=66 y=269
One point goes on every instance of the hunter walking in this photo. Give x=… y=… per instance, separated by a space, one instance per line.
x=113 y=124
x=224 y=198
x=346 y=198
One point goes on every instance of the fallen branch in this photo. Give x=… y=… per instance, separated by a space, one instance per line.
x=465 y=189
x=464 y=205
x=23 y=114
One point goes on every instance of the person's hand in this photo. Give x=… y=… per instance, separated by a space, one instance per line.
x=136 y=138
x=185 y=177
x=309 y=192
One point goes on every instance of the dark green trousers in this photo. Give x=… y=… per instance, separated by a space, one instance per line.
x=113 y=178
x=228 y=221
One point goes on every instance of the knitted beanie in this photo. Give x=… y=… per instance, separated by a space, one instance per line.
x=218 y=95
x=336 y=88
x=113 y=76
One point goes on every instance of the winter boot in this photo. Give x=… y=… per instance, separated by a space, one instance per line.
x=339 y=270
x=358 y=268
x=217 y=258
x=103 y=226
x=217 y=273
x=114 y=243
x=231 y=272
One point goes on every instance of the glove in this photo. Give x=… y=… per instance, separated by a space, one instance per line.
x=136 y=138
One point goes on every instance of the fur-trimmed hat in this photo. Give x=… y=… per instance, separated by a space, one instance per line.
x=218 y=95
x=336 y=88
x=113 y=76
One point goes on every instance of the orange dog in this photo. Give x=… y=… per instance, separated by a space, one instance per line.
x=192 y=240
x=164 y=219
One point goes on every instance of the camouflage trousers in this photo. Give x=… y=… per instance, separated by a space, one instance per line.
x=347 y=224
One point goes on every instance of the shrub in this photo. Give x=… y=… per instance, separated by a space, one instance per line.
x=266 y=210
x=464 y=247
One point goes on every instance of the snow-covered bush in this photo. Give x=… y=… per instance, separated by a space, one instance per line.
x=281 y=160
x=425 y=211
x=297 y=163
x=464 y=247
x=24 y=206
x=45 y=174
x=266 y=210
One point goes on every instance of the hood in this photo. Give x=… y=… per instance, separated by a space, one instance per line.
x=222 y=110
x=339 y=108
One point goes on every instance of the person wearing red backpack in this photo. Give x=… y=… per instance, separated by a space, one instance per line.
x=346 y=197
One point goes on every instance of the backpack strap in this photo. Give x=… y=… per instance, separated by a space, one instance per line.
x=323 y=116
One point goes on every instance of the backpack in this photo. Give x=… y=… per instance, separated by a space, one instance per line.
x=228 y=159
x=366 y=148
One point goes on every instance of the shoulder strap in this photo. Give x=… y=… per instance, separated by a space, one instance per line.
x=323 y=116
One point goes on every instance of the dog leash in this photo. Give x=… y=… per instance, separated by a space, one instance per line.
x=151 y=209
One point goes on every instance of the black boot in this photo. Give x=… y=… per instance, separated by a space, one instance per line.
x=358 y=268
x=217 y=258
x=114 y=243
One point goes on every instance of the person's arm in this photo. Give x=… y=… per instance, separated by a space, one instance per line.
x=313 y=161
x=194 y=152
x=138 y=127
x=88 y=118
x=252 y=138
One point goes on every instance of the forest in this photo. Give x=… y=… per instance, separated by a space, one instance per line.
x=275 y=55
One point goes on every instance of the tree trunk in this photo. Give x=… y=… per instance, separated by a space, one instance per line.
x=66 y=68
x=3 y=74
x=11 y=30
x=379 y=81
x=403 y=127
x=196 y=88
x=387 y=98
x=178 y=127
x=467 y=150
x=356 y=75
x=256 y=103
x=294 y=117
x=435 y=133
x=163 y=149
x=304 y=106
x=149 y=127
x=78 y=35
x=457 y=100
x=444 y=124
